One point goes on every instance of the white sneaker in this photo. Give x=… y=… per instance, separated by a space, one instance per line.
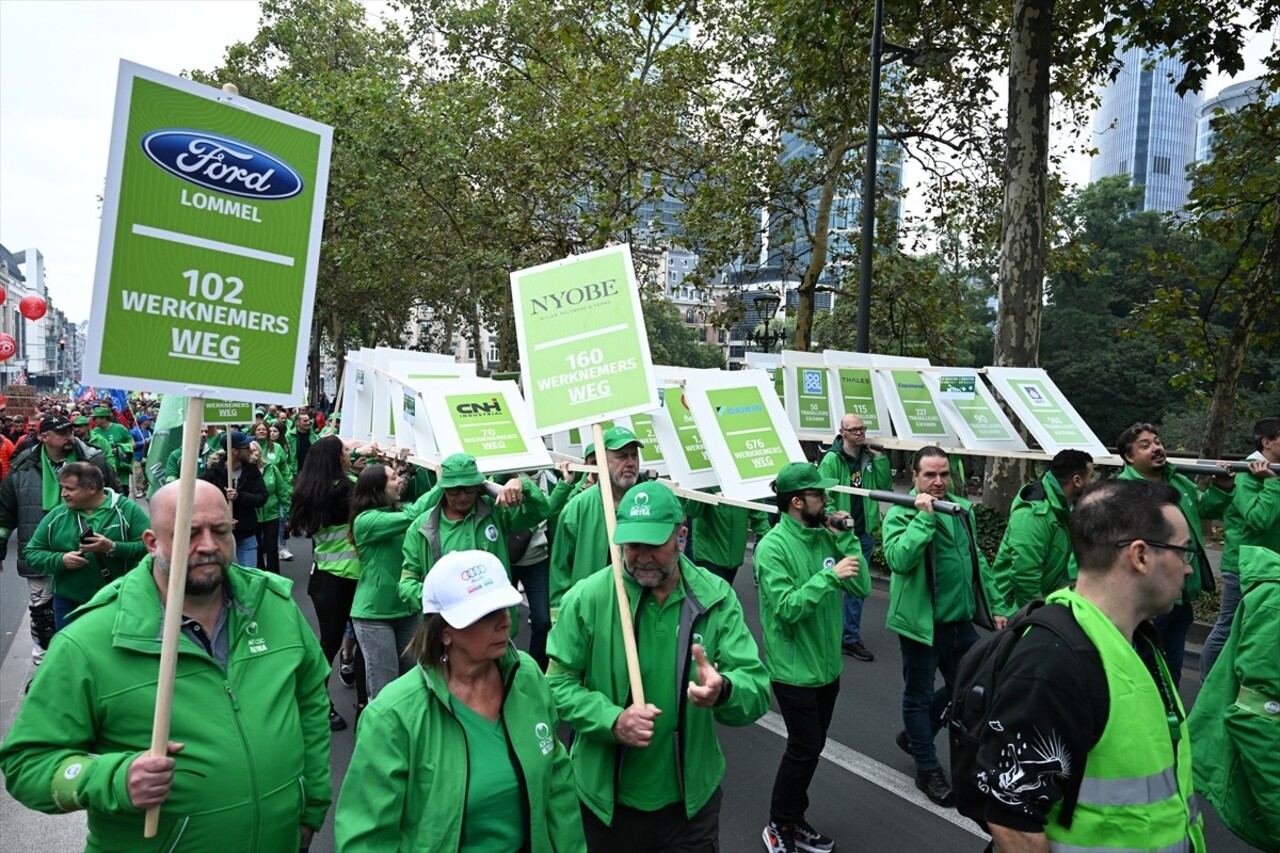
x=286 y=554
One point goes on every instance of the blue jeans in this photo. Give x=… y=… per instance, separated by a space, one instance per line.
x=62 y=608
x=922 y=703
x=535 y=578
x=1222 y=628
x=247 y=552
x=853 y=606
x=1172 y=628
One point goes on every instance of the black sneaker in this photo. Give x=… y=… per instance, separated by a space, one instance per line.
x=857 y=650
x=903 y=742
x=808 y=838
x=336 y=723
x=778 y=839
x=347 y=671
x=935 y=786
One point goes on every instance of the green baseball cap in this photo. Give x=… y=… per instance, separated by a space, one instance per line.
x=460 y=469
x=588 y=451
x=102 y=412
x=799 y=476
x=647 y=515
x=616 y=438
x=80 y=421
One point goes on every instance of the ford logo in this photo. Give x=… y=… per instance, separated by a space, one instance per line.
x=221 y=164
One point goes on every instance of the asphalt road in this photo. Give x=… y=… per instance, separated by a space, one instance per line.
x=862 y=795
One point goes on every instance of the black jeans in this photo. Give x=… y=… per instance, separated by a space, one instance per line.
x=807 y=713
x=269 y=545
x=666 y=830
x=331 y=596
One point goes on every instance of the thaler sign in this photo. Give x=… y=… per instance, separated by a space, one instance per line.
x=210 y=242
x=584 y=353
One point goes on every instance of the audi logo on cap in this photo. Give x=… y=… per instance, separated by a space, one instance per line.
x=473 y=573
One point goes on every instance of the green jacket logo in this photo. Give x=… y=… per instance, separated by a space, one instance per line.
x=545 y=742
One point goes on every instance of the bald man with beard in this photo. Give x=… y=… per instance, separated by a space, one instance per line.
x=248 y=765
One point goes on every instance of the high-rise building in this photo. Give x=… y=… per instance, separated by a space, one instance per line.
x=1229 y=100
x=1146 y=130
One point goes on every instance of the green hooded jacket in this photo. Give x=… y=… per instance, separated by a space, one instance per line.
x=588 y=678
x=908 y=549
x=720 y=531
x=406 y=786
x=874 y=473
x=1196 y=506
x=580 y=544
x=256 y=763
x=801 y=606
x=1035 y=556
x=118 y=519
x=1235 y=724
x=484 y=529
x=279 y=494
x=1253 y=518
x=380 y=534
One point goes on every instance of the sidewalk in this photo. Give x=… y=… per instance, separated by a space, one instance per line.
x=23 y=830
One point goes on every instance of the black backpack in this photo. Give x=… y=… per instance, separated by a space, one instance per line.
x=976 y=678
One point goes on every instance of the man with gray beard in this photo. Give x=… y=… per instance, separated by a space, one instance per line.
x=248 y=765
x=649 y=774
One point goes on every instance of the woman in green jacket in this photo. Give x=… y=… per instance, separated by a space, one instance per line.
x=461 y=754
x=279 y=496
x=384 y=622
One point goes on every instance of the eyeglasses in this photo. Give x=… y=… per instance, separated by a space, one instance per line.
x=815 y=493
x=1185 y=552
x=461 y=490
x=853 y=429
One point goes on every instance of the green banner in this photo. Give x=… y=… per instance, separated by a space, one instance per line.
x=1048 y=412
x=484 y=424
x=812 y=399
x=855 y=391
x=226 y=412
x=583 y=349
x=917 y=403
x=981 y=420
x=210 y=242
x=748 y=431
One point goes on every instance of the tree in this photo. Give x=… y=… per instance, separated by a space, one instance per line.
x=674 y=344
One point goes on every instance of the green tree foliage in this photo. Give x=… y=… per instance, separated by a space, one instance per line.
x=674 y=344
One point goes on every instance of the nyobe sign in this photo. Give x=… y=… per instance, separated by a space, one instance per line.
x=210 y=242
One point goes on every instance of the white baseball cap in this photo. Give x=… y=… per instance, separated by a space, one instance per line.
x=465 y=586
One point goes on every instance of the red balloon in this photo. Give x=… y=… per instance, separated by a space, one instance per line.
x=4 y=294
x=8 y=347
x=32 y=307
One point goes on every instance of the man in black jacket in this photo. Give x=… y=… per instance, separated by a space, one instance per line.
x=247 y=491
x=26 y=495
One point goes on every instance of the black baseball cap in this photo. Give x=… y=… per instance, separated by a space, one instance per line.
x=55 y=423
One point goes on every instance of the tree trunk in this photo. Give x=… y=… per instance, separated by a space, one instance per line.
x=313 y=362
x=807 y=291
x=1022 y=250
x=1232 y=363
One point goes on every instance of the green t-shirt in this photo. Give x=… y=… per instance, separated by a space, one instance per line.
x=954 y=571
x=649 y=775
x=491 y=821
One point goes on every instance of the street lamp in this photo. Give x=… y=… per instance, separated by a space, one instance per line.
x=767 y=308
x=881 y=51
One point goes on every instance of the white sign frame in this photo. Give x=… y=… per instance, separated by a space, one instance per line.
x=1003 y=379
x=796 y=359
x=951 y=411
x=838 y=360
x=884 y=364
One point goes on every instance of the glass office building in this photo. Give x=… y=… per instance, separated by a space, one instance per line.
x=1146 y=130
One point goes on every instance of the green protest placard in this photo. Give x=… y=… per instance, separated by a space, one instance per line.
x=210 y=242
x=651 y=456
x=858 y=398
x=807 y=394
x=486 y=419
x=225 y=412
x=918 y=407
x=1045 y=412
x=971 y=410
x=584 y=353
x=744 y=428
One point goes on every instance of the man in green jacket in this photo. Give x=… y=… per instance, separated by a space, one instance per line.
x=803 y=573
x=106 y=425
x=718 y=535
x=94 y=537
x=1144 y=457
x=463 y=519
x=580 y=544
x=1252 y=519
x=1235 y=724
x=699 y=666
x=248 y=764
x=1035 y=554
x=82 y=428
x=934 y=559
x=850 y=462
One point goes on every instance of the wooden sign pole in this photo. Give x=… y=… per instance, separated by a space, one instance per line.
x=615 y=554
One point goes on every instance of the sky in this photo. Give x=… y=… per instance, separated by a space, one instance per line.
x=58 y=65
